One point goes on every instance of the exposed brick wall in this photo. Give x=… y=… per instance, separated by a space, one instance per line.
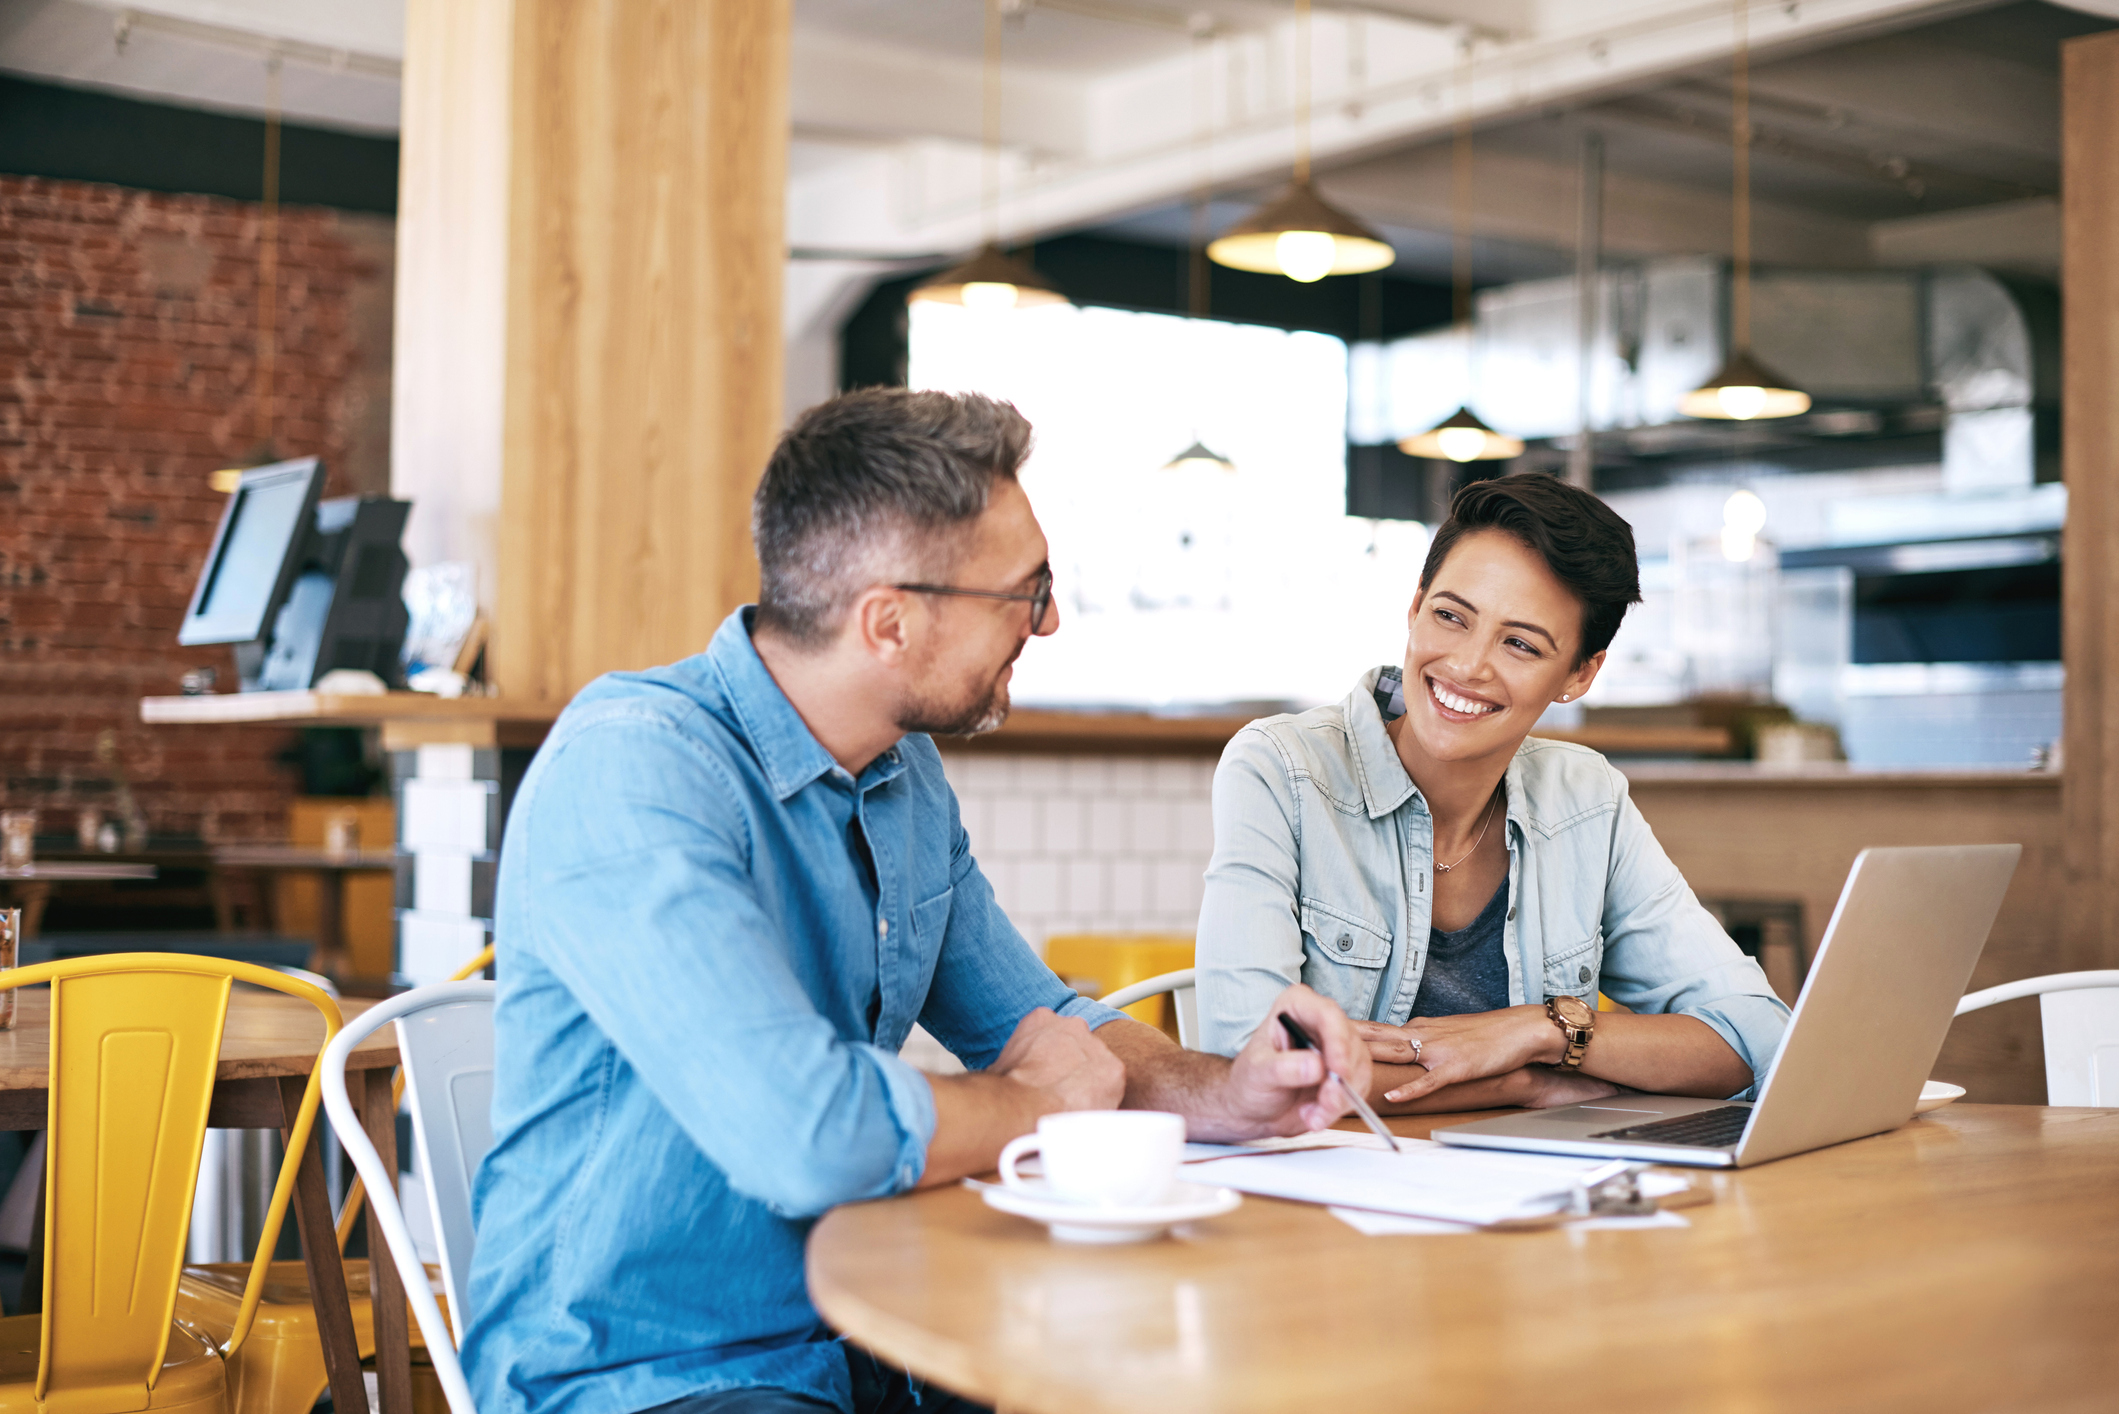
x=128 y=367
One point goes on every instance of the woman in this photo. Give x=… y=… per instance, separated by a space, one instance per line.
x=1461 y=889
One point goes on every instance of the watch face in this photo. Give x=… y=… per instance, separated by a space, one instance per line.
x=1574 y=1011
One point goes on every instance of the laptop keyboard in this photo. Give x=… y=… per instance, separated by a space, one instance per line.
x=1708 y=1129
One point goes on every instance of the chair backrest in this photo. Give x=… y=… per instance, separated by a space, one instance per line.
x=1183 y=995
x=447 y=1053
x=2079 y=1013
x=349 y=1212
x=135 y=1044
x=450 y=1086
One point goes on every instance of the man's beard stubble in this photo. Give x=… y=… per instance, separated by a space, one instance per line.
x=983 y=713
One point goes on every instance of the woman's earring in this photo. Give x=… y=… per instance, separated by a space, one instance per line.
x=1563 y=697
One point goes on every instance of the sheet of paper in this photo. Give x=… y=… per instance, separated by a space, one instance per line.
x=1286 y=1144
x=1429 y=1181
x=1394 y=1225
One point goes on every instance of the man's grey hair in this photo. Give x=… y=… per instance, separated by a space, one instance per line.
x=874 y=487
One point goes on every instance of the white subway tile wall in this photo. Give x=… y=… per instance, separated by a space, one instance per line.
x=1089 y=844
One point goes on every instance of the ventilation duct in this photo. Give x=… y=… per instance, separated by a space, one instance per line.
x=1950 y=344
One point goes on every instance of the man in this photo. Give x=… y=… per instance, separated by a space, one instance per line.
x=730 y=887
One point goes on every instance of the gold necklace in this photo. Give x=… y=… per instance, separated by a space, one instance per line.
x=1445 y=868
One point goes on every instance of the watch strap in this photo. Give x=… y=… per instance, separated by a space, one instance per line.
x=1577 y=1038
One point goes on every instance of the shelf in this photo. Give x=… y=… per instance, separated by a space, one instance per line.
x=408 y=719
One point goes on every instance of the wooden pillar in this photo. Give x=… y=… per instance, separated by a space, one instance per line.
x=590 y=247
x=2090 y=464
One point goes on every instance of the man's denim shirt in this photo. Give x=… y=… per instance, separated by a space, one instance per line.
x=712 y=943
x=1324 y=848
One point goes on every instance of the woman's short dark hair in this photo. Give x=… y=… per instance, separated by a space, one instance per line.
x=1582 y=541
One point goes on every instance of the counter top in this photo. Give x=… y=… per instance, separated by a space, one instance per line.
x=1814 y=774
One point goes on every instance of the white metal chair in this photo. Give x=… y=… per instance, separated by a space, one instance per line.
x=445 y=1041
x=1182 y=996
x=2080 y=1015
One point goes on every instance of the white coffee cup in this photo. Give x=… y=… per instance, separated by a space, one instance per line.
x=1110 y=1158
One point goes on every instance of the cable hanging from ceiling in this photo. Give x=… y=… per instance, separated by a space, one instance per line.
x=1198 y=456
x=1299 y=234
x=991 y=279
x=1743 y=388
x=1462 y=436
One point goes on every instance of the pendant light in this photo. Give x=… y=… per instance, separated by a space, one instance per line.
x=991 y=279
x=1462 y=436
x=1743 y=389
x=1199 y=457
x=1299 y=234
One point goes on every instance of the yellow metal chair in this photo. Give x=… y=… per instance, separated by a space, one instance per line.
x=1095 y=964
x=281 y=1369
x=135 y=1040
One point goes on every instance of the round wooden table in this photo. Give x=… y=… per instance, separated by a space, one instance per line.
x=1969 y=1260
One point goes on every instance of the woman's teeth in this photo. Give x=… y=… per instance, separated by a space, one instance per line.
x=1459 y=704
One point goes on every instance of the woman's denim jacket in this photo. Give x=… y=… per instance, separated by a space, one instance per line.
x=1324 y=850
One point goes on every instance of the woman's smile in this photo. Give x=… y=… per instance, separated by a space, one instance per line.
x=1457 y=705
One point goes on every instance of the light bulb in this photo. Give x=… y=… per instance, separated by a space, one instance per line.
x=989 y=294
x=1744 y=513
x=1461 y=444
x=1305 y=255
x=1740 y=402
x=1737 y=544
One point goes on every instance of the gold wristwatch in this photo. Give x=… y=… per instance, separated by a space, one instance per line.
x=1577 y=1021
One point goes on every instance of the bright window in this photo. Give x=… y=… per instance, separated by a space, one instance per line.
x=1185 y=587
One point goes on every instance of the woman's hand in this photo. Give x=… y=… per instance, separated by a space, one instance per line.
x=1454 y=1049
x=1534 y=1087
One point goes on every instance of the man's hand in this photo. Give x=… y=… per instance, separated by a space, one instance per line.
x=1272 y=1088
x=1061 y=1056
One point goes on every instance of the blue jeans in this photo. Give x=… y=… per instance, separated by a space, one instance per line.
x=877 y=1389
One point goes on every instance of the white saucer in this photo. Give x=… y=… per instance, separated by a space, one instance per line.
x=1935 y=1094
x=1082 y=1222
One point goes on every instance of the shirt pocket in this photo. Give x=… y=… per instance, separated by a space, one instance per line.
x=1344 y=955
x=930 y=919
x=1573 y=971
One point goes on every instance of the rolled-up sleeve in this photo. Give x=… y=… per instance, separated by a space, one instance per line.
x=645 y=910
x=1665 y=953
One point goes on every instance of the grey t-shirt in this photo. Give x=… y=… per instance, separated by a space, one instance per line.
x=1466 y=971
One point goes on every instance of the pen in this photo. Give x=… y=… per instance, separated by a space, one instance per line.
x=1300 y=1040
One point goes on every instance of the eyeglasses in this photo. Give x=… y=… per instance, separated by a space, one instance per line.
x=1039 y=599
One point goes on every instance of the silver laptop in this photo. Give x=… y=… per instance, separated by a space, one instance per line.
x=1867 y=1028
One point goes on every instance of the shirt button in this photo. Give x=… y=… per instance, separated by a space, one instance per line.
x=883 y=929
x=1511 y=915
x=1346 y=942
x=1585 y=972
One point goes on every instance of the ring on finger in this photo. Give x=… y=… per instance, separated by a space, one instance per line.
x=1414 y=1042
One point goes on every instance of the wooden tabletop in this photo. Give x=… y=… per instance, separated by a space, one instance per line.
x=1967 y=1260
x=266 y=1035
x=298 y=857
x=58 y=871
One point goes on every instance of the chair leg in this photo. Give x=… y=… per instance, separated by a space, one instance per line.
x=33 y=1262
x=386 y=1292
x=327 y=1271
